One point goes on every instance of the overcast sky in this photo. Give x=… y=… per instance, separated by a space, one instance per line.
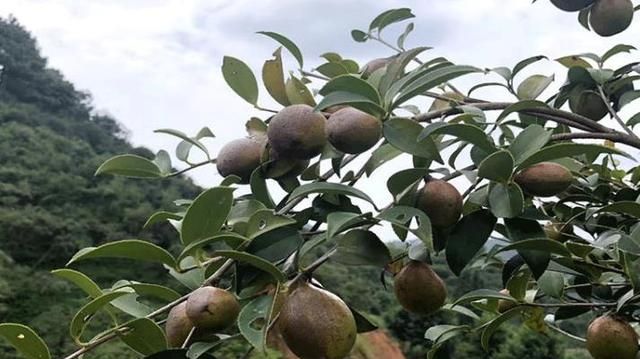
x=156 y=63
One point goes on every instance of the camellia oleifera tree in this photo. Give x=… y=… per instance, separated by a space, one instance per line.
x=546 y=191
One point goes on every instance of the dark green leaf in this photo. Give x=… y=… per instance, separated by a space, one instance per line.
x=352 y=99
x=338 y=222
x=361 y=247
x=552 y=284
x=328 y=188
x=524 y=63
x=616 y=50
x=482 y=294
x=255 y=311
x=403 y=134
x=528 y=142
x=520 y=229
x=403 y=37
x=266 y=220
x=498 y=166
x=80 y=280
x=332 y=69
x=506 y=200
x=206 y=215
x=229 y=238
x=380 y=156
x=288 y=44
x=431 y=80
x=84 y=315
x=144 y=336
x=254 y=261
x=185 y=138
x=359 y=36
x=129 y=249
x=467 y=238
x=259 y=188
x=543 y=245
x=241 y=79
x=389 y=17
x=520 y=106
x=400 y=215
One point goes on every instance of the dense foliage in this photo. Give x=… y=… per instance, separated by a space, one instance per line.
x=545 y=232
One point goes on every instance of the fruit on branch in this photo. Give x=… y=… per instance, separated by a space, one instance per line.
x=375 y=64
x=610 y=17
x=611 y=337
x=419 y=289
x=353 y=131
x=589 y=104
x=503 y=304
x=544 y=179
x=315 y=323
x=572 y=5
x=279 y=167
x=239 y=157
x=558 y=231
x=178 y=325
x=212 y=308
x=297 y=132
x=441 y=201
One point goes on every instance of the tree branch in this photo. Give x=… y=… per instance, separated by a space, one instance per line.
x=615 y=115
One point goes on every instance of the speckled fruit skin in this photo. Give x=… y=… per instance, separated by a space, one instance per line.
x=373 y=65
x=212 y=308
x=610 y=337
x=572 y=5
x=353 y=131
x=590 y=105
x=504 y=305
x=544 y=179
x=297 y=132
x=610 y=17
x=178 y=326
x=419 y=289
x=316 y=324
x=239 y=157
x=441 y=201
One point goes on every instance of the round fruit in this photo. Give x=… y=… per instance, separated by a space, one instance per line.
x=441 y=201
x=544 y=179
x=572 y=5
x=589 y=104
x=419 y=289
x=610 y=337
x=178 y=326
x=212 y=308
x=239 y=157
x=373 y=65
x=353 y=131
x=503 y=304
x=297 y=132
x=315 y=323
x=558 y=232
x=610 y=17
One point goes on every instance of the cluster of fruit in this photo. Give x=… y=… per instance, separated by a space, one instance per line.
x=606 y=17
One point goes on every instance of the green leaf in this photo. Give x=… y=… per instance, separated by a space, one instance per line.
x=255 y=261
x=616 y=50
x=520 y=107
x=149 y=290
x=506 y=200
x=400 y=215
x=361 y=247
x=161 y=216
x=380 y=156
x=403 y=184
x=528 y=142
x=298 y=93
x=482 y=294
x=273 y=78
x=255 y=311
x=266 y=220
x=403 y=135
x=402 y=38
x=144 y=336
x=191 y=279
x=389 y=17
x=396 y=68
x=359 y=35
x=332 y=69
x=488 y=331
x=25 y=341
x=465 y=132
x=185 y=138
x=520 y=229
x=338 y=222
x=625 y=207
x=130 y=166
x=552 y=284
x=80 y=280
x=358 y=101
x=431 y=80
x=129 y=249
x=600 y=76
x=328 y=188
x=526 y=62
x=163 y=161
x=468 y=236
x=436 y=332
x=241 y=79
x=86 y=313
x=206 y=215
x=543 y=245
x=363 y=323
x=573 y=61
x=276 y=245
x=533 y=86
x=562 y=150
x=498 y=166
x=230 y=238
x=352 y=84
x=259 y=188
x=288 y=44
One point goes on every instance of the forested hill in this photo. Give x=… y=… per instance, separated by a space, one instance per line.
x=51 y=143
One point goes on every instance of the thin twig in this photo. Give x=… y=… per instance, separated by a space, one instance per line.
x=615 y=115
x=195 y=165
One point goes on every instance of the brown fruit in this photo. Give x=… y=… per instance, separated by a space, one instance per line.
x=178 y=326
x=212 y=308
x=589 y=104
x=297 y=132
x=419 y=289
x=239 y=157
x=441 y=201
x=316 y=324
x=558 y=232
x=373 y=65
x=353 y=131
x=504 y=305
x=610 y=337
x=544 y=179
x=610 y=17
x=572 y=5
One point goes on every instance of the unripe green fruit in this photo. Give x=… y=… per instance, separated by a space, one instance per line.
x=571 y=5
x=239 y=157
x=544 y=179
x=212 y=308
x=353 y=131
x=419 y=289
x=178 y=326
x=504 y=305
x=610 y=337
x=316 y=324
x=373 y=65
x=589 y=104
x=297 y=132
x=441 y=201
x=610 y=17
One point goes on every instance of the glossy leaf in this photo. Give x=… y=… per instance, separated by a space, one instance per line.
x=528 y=142
x=526 y=62
x=400 y=215
x=84 y=315
x=328 y=188
x=533 y=86
x=403 y=134
x=468 y=236
x=498 y=166
x=80 y=280
x=380 y=156
x=361 y=247
x=240 y=78
x=229 y=238
x=491 y=328
x=520 y=229
x=338 y=222
x=552 y=284
x=482 y=294
x=128 y=249
x=206 y=215
x=256 y=310
x=389 y=17
x=130 y=166
x=25 y=341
